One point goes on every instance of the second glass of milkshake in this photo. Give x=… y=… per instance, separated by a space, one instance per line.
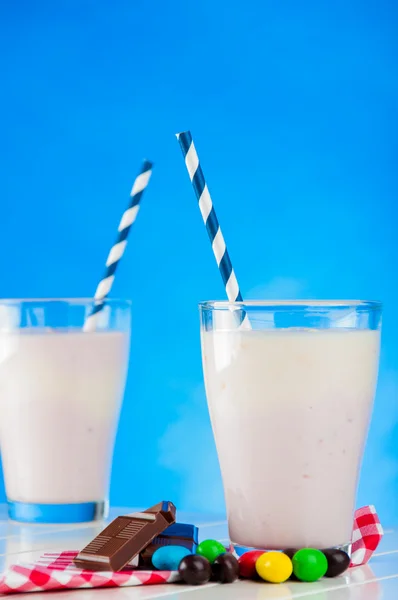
x=290 y=388
x=61 y=391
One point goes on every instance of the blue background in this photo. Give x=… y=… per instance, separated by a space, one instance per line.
x=293 y=107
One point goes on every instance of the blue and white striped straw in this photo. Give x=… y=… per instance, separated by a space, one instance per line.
x=117 y=250
x=209 y=216
x=211 y=222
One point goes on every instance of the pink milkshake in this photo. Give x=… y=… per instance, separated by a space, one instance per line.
x=290 y=409
x=61 y=390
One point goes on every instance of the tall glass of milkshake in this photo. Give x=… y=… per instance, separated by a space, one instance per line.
x=61 y=391
x=290 y=389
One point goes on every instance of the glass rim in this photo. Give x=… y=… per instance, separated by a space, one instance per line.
x=71 y=300
x=275 y=304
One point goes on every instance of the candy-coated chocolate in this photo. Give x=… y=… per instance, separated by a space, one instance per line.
x=309 y=564
x=195 y=569
x=168 y=558
x=210 y=549
x=225 y=568
x=274 y=567
x=338 y=562
x=247 y=564
x=178 y=534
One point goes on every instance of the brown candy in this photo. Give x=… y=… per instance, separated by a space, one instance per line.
x=338 y=562
x=195 y=569
x=225 y=568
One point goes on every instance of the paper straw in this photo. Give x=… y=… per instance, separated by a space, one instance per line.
x=117 y=250
x=210 y=219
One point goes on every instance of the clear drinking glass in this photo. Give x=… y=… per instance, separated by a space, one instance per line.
x=60 y=396
x=290 y=389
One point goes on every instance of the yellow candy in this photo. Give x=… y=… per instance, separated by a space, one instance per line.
x=274 y=567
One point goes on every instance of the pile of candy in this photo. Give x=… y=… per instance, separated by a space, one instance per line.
x=307 y=564
x=213 y=562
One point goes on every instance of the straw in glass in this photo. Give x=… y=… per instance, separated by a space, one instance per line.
x=117 y=250
x=210 y=219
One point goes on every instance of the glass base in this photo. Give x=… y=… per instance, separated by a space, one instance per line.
x=84 y=512
x=239 y=549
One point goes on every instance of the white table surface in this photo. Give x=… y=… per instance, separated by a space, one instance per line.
x=377 y=580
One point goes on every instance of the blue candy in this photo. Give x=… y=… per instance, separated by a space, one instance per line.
x=168 y=558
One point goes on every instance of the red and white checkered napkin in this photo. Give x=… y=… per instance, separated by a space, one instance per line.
x=57 y=572
x=366 y=535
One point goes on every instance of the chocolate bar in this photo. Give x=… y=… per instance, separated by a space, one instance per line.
x=179 y=534
x=124 y=538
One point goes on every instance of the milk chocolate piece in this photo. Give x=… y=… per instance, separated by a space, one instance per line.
x=124 y=538
x=179 y=534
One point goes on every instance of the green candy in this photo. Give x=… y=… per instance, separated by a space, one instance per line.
x=309 y=564
x=210 y=549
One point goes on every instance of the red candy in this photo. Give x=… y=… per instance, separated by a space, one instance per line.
x=247 y=564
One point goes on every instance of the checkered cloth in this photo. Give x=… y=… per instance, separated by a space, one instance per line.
x=57 y=572
x=366 y=535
